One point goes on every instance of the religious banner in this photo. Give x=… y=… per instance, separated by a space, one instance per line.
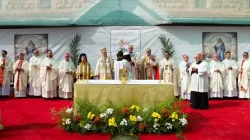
x=121 y=39
x=219 y=43
x=27 y=43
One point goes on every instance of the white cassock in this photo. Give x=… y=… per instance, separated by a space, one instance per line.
x=148 y=71
x=169 y=75
x=185 y=78
x=49 y=78
x=35 y=84
x=244 y=79
x=216 y=79
x=21 y=78
x=120 y=65
x=66 y=80
x=199 y=82
x=104 y=67
x=199 y=85
x=230 y=89
x=6 y=76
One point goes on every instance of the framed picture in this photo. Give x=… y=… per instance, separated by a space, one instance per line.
x=27 y=43
x=219 y=43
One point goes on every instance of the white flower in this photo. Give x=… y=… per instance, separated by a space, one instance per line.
x=145 y=109
x=124 y=122
x=68 y=121
x=156 y=125
x=87 y=126
x=103 y=115
x=183 y=121
x=109 y=111
x=69 y=110
x=169 y=125
x=139 y=118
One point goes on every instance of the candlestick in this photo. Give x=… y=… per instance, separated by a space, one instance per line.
x=160 y=74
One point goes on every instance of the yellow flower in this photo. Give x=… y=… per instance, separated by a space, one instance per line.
x=137 y=108
x=112 y=122
x=63 y=121
x=174 y=115
x=81 y=124
x=90 y=115
x=156 y=115
x=132 y=118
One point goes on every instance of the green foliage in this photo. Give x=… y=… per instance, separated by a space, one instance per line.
x=167 y=46
x=125 y=120
x=74 y=48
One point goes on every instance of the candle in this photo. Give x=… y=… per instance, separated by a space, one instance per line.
x=84 y=71
x=87 y=68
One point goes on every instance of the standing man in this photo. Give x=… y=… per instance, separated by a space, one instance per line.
x=231 y=68
x=134 y=71
x=48 y=76
x=148 y=66
x=217 y=71
x=185 y=78
x=84 y=69
x=66 y=80
x=167 y=68
x=199 y=85
x=119 y=64
x=35 y=84
x=244 y=76
x=104 y=66
x=170 y=72
x=5 y=74
x=21 y=72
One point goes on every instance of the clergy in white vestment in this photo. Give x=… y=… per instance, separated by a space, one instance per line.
x=216 y=75
x=35 y=84
x=244 y=77
x=231 y=71
x=185 y=78
x=21 y=72
x=104 y=66
x=206 y=60
x=149 y=66
x=49 y=76
x=199 y=84
x=119 y=64
x=5 y=74
x=66 y=80
x=134 y=71
x=170 y=72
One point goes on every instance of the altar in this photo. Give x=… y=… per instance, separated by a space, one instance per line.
x=142 y=92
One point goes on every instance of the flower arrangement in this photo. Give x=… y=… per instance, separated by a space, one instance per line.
x=122 y=120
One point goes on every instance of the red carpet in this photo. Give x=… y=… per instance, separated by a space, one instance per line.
x=30 y=119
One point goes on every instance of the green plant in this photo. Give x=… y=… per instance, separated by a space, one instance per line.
x=167 y=46
x=74 y=48
x=129 y=120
